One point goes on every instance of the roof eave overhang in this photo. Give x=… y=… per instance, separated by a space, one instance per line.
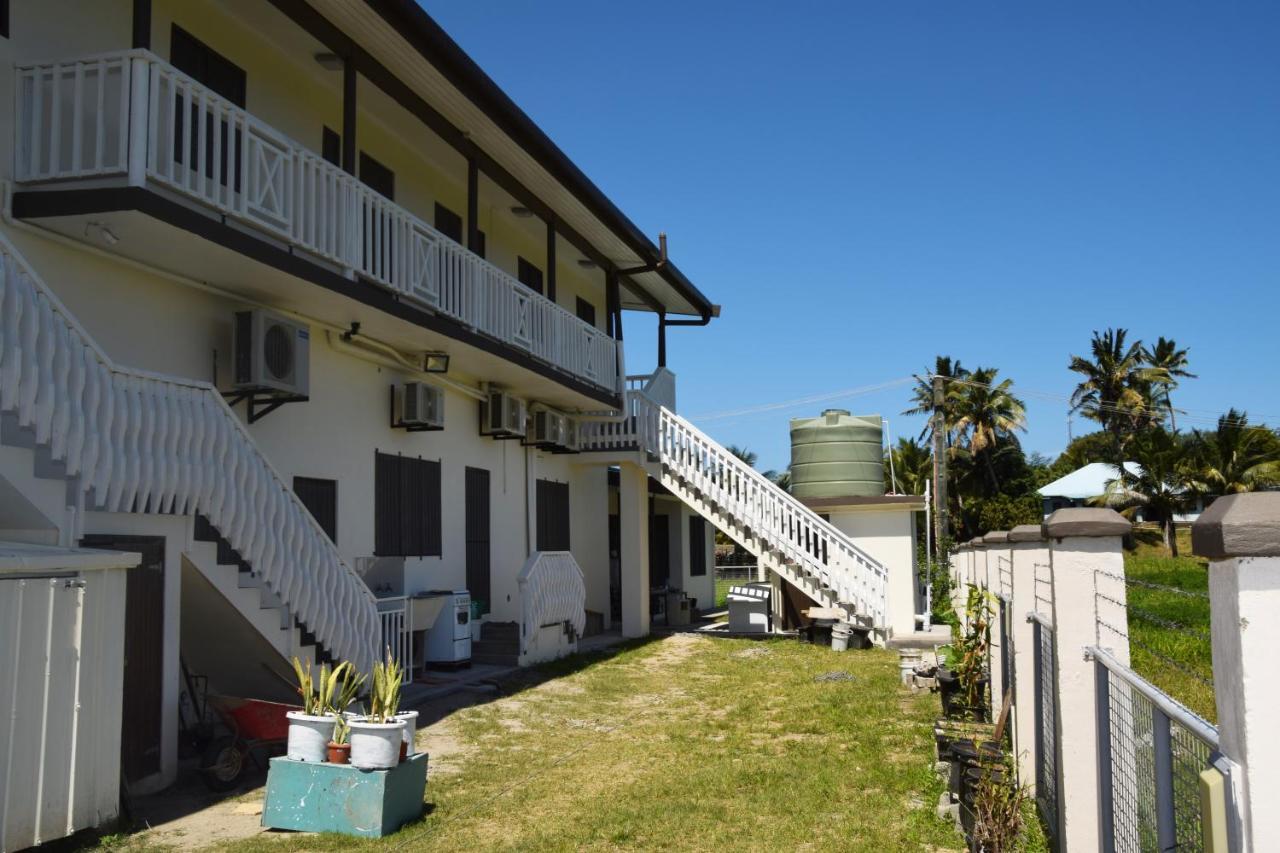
x=436 y=47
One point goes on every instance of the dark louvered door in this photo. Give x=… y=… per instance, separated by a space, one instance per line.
x=141 y=713
x=478 y=544
x=553 y=516
x=659 y=550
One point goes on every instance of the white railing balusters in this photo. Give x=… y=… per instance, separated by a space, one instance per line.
x=244 y=168
x=552 y=589
x=140 y=442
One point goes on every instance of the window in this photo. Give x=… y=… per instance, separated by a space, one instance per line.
x=448 y=223
x=586 y=311
x=209 y=68
x=320 y=497
x=206 y=66
x=331 y=146
x=406 y=507
x=553 y=516
x=4 y=18
x=480 y=243
x=377 y=177
x=529 y=275
x=697 y=546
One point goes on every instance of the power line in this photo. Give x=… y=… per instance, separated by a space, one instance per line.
x=803 y=401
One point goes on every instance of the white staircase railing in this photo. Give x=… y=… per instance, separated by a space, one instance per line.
x=139 y=441
x=803 y=542
x=552 y=590
x=130 y=113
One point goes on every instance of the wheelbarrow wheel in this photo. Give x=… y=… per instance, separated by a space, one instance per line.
x=223 y=763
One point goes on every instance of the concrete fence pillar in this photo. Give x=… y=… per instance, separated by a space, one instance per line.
x=1086 y=563
x=1027 y=547
x=1240 y=534
x=997 y=547
x=633 y=557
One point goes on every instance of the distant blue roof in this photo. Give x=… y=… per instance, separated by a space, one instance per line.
x=1087 y=482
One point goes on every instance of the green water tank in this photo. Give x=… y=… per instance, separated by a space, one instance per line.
x=837 y=455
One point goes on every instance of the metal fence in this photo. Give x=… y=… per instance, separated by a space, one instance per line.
x=1046 y=725
x=1151 y=751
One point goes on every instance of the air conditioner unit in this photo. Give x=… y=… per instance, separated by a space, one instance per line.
x=572 y=434
x=272 y=353
x=503 y=416
x=546 y=429
x=422 y=405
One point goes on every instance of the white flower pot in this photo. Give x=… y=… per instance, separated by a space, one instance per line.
x=375 y=746
x=309 y=736
x=410 y=719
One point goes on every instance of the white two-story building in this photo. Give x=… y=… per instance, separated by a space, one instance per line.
x=299 y=306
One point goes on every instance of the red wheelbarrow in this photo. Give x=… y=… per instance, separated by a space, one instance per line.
x=256 y=730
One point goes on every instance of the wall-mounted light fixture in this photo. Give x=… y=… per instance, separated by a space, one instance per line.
x=521 y=211
x=435 y=362
x=329 y=61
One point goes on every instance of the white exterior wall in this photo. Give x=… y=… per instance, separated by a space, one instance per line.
x=888 y=535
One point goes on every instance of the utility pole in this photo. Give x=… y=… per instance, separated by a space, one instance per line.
x=939 y=460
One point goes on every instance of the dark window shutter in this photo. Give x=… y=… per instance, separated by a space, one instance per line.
x=205 y=65
x=529 y=275
x=448 y=223
x=331 y=146
x=377 y=177
x=407 y=507
x=480 y=244
x=697 y=546
x=4 y=18
x=320 y=497
x=586 y=311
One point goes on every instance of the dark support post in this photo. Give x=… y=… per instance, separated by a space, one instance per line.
x=1106 y=805
x=551 y=260
x=349 y=116
x=610 y=302
x=662 y=339
x=142 y=24
x=473 y=204
x=940 y=461
x=1162 y=746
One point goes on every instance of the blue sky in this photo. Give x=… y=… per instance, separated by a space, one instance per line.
x=865 y=185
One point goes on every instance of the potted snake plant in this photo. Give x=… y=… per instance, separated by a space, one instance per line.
x=339 y=748
x=376 y=738
x=311 y=728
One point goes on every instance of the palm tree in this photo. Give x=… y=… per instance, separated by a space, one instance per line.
x=922 y=394
x=1171 y=360
x=1236 y=457
x=1114 y=391
x=1161 y=486
x=747 y=457
x=987 y=416
x=781 y=479
x=912 y=466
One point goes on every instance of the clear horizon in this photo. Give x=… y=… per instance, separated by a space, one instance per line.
x=863 y=187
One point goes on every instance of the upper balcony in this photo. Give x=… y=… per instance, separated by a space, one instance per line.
x=130 y=121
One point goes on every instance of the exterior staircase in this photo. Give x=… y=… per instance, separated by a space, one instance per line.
x=784 y=535
x=499 y=644
x=125 y=440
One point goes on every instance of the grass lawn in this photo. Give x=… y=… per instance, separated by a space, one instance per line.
x=683 y=743
x=1174 y=661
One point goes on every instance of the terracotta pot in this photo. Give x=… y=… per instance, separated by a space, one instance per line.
x=339 y=753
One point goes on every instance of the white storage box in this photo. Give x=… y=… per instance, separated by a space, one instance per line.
x=749 y=608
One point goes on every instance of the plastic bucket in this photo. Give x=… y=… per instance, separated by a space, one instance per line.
x=410 y=730
x=309 y=737
x=376 y=746
x=840 y=633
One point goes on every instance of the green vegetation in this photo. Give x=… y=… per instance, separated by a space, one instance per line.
x=1177 y=662
x=685 y=743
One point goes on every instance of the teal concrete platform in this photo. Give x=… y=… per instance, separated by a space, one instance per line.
x=339 y=798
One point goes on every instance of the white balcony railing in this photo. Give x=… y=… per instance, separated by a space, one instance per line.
x=132 y=114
